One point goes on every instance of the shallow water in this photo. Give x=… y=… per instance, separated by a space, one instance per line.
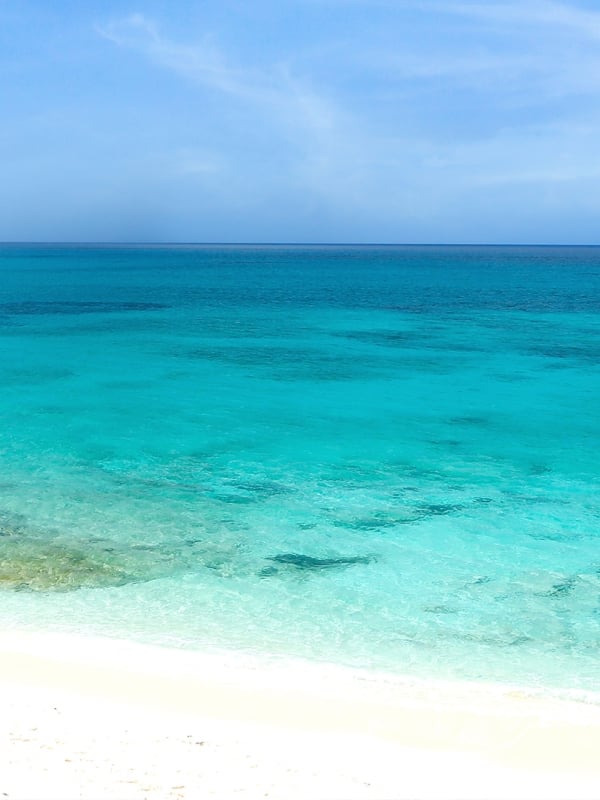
x=384 y=457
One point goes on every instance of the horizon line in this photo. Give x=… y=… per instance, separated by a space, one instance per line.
x=116 y=243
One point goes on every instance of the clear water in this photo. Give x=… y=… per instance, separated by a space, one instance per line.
x=383 y=457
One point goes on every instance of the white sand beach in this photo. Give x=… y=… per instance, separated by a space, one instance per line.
x=96 y=718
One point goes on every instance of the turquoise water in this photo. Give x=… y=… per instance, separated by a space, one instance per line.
x=382 y=457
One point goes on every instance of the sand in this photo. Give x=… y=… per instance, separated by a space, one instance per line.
x=101 y=718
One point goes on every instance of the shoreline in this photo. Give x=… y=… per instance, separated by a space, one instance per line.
x=467 y=740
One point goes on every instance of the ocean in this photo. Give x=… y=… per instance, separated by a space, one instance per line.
x=375 y=456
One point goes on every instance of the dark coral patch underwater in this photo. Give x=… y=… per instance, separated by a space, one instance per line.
x=305 y=563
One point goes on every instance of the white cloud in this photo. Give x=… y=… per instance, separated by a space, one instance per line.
x=202 y=63
x=309 y=135
x=369 y=167
x=522 y=54
x=531 y=12
x=206 y=65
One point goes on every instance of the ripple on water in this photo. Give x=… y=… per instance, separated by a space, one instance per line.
x=66 y=307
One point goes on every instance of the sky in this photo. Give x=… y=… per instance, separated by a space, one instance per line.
x=300 y=121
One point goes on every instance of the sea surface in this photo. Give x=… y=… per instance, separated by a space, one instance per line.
x=382 y=457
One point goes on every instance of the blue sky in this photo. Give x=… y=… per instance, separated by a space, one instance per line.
x=300 y=120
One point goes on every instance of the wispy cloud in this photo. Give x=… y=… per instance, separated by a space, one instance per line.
x=309 y=134
x=381 y=160
x=530 y=12
x=201 y=62
x=500 y=12
x=526 y=53
x=205 y=64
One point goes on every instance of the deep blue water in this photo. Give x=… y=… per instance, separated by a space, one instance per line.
x=378 y=456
